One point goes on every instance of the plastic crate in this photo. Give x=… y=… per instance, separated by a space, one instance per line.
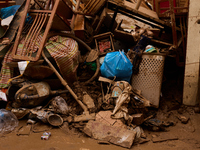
x=149 y=78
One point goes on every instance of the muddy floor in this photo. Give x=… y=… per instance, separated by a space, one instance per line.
x=187 y=134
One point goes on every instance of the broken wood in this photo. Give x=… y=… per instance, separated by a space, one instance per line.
x=106 y=80
x=164 y=137
x=92 y=56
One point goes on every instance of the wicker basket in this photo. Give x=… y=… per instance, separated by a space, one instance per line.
x=149 y=78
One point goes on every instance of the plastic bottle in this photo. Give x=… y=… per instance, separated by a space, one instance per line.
x=8 y=121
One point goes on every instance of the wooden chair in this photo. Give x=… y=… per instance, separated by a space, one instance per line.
x=55 y=14
x=175 y=14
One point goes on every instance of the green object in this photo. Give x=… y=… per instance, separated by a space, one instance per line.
x=151 y=50
x=93 y=65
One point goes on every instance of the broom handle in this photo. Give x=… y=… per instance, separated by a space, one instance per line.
x=64 y=83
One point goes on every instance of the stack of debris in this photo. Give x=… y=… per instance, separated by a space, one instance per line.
x=66 y=83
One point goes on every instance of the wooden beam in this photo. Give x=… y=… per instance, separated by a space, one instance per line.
x=191 y=79
x=173 y=22
x=138 y=4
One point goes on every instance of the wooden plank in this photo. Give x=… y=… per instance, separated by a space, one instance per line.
x=79 y=22
x=138 y=4
x=101 y=20
x=142 y=9
x=79 y=26
x=191 y=79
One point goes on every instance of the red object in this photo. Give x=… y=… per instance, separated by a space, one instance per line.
x=104 y=45
x=4 y=90
x=165 y=5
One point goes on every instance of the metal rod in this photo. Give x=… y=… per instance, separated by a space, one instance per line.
x=49 y=23
x=27 y=36
x=36 y=33
x=31 y=34
x=39 y=32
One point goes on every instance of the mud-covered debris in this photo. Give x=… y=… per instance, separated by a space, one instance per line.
x=164 y=137
x=139 y=133
x=103 y=142
x=154 y=125
x=138 y=119
x=59 y=105
x=88 y=101
x=122 y=101
x=84 y=117
x=39 y=115
x=115 y=135
x=105 y=117
x=196 y=109
x=183 y=119
x=30 y=121
x=20 y=112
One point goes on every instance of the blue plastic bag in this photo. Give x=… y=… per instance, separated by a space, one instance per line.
x=117 y=64
x=9 y=11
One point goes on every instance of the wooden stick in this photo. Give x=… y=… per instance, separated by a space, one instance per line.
x=138 y=4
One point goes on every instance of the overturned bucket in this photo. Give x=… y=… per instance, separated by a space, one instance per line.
x=55 y=119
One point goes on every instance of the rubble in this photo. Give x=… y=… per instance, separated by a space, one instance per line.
x=100 y=100
x=183 y=119
x=115 y=135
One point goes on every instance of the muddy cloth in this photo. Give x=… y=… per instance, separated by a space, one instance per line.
x=64 y=51
x=6 y=71
x=135 y=55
